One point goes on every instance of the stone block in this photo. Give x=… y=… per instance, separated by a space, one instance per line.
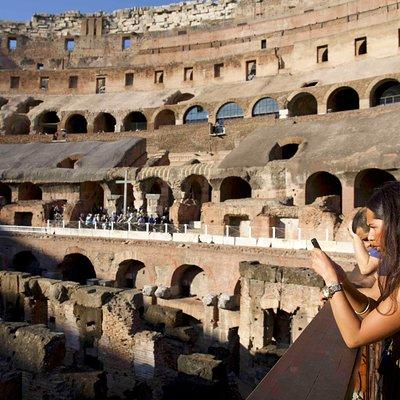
x=168 y=316
x=210 y=300
x=183 y=333
x=227 y=302
x=93 y=296
x=132 y=296
x=204 y=366
x=257 y=271
x=32 y=348
x=149 y=290
x=163 y=292
x=301 y=276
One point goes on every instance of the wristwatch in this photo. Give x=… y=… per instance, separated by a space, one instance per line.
x=329 y=291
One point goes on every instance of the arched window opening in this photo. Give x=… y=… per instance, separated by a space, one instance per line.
x=76 y=267
x=25 y=261
x=265 y=106
x=387 y=92
x=159 y=204
x=323 y=184
x=229 y=111
x=18 y=124
x=135 y=121
x=195 y=115
x=5 y=194
x=367 y=182
x=303 y=104
x=284 y=152
x=343 y=99
x=91 y=197
x=27 y=105
x=48 y=122
x=130 y=274
x=104 y=122
x=69 y=162
x=76 y=124
x=238 y=293
x=29 y=191
x=277 y=328
x=190 y=281
x=3 y=102
x=163 y=118
x=234 y=188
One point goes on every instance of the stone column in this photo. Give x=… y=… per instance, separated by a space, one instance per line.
x=153 y=204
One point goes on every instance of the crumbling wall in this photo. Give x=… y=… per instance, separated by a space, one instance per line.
x=276 y=305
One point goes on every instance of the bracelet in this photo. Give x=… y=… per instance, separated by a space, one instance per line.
x=366 y=308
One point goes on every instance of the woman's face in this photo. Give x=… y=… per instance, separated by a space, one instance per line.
x=375 y=230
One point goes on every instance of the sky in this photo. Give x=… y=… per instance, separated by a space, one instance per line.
x=22 y=10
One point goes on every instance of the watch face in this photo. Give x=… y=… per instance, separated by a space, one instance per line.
x=325 y=292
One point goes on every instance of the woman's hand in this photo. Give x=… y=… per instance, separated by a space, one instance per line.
x=325 y=267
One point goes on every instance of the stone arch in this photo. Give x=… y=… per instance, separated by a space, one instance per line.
x=230 y=110
x=237 y=293
x=384 y=92
x=343 y=98
x=5 y=194
x=195 y=115
x=47 y=122
x=104 y=122
x=17 y=124
x=76 y=267
x=197 y=191
x=322 y=184
x=190 y=281
x=130 y=274
x=29 y=191
x=135 y=121
x=366 y=182
x=91 y=196
x=157 y=186
x=76 y=123
x=164 y=117
x=234 y=187
x=3 y=102
x=28 y=104
x=265 y=106
x=25 y=261
x=303 y=103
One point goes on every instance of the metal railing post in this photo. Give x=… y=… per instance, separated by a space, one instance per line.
x=95 y=224
x=63 y=224
x=273 y=232
x=79 y=224
x=147 y=227
x=165 y=228
x=185 y=228
x=112 y=225
x=48 y=224
x=226 y=230
x=249 y=231
x=129 y=226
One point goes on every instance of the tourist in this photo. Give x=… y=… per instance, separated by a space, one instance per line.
x=367 y=256
x=360 y=319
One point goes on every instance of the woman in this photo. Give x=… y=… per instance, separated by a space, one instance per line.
x=361 y=319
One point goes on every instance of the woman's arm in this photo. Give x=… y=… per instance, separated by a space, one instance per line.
x=377 y=324
x=366 y=263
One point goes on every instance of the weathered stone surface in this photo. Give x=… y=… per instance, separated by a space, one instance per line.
x=302 y=276
x=10 y=384
x=32 y=348
x=163 y=292
x=93 y=296
x=210 y=300
x=167 y=316
x=261 y=272
x=149 y=290
x=183 y=333
x=201 y=365
x=226 y=302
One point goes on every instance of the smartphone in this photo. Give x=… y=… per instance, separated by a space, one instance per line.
x=315 y=243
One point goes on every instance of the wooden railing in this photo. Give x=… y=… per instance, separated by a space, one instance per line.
x=319 y=366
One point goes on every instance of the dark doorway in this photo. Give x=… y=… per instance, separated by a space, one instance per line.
x=23 y=218
x=343 y=99
x=76 y=124
x=234 y=188
x=77 y=268
x=130 y=274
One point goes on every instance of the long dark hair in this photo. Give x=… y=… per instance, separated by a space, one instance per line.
x=385 y=204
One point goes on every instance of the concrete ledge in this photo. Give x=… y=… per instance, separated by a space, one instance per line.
x=242 y=241
x=185 y=237
x=160 y=236
x=205 y=238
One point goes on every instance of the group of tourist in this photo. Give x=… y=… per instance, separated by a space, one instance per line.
x=101 y=218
